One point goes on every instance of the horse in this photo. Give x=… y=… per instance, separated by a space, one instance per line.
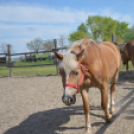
x=128 y=54
x=87 y=64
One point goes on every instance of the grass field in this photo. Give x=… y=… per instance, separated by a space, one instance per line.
x=30 y=71
x=130 y=66
x=41 y=70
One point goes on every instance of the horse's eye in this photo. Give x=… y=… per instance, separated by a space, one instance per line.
x=76 y=73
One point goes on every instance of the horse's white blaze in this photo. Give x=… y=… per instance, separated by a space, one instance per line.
x=66 y=88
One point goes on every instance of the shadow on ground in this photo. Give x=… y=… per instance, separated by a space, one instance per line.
x=47 y=122
x=124 y=78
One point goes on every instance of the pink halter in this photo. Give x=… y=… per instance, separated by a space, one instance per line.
x=77 y=86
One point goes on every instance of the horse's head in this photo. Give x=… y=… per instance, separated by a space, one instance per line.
x=71 y=73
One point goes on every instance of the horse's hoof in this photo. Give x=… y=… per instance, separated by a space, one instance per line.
x=88 y=131
x=109 y=118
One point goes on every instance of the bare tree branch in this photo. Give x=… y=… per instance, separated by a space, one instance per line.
x=48 y=45
x=3 y=48
x=62 y=41
x=36 y=44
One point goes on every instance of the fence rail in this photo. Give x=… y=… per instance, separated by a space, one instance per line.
x=15 y=54
x=10 y=64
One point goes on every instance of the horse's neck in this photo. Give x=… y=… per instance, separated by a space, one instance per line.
x=91 y=54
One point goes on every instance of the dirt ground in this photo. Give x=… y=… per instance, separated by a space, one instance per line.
x=32 y=105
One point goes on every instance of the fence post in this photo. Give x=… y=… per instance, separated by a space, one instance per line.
x=9 y=60
x=113 y=39
x=55 y=45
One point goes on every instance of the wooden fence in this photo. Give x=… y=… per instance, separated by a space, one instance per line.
x=10 y=64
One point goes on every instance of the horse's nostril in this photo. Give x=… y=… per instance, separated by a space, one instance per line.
x=63 y=98
x=71 y=100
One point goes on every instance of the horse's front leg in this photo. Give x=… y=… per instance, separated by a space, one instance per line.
x=86 y=109
x=104 y=101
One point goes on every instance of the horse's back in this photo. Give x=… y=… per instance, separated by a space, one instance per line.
x=111 y=57
x=109 y=46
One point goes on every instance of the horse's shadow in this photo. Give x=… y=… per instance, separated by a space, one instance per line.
x=47 y=122
x=123 y=78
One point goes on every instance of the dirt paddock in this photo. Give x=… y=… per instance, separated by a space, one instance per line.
x=32 y=105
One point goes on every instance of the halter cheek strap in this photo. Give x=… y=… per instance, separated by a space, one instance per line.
x=77 y=86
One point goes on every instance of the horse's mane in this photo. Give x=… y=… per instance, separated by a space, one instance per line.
x=69 y=61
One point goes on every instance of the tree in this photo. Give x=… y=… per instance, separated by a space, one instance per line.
x=77 y=36
x=36 y=44
x=120 y=30
x=129 y=35
x=95 y=25
x=82 y=31
x=62 y=41
x=3 y=48
x=101 y=27
x=48 y=45
x=82 y=28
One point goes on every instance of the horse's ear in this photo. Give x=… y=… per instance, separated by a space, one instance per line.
x=58 y=55
x=79 y=55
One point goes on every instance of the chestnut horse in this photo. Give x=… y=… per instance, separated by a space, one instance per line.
x=128 y=54
x=86 y=65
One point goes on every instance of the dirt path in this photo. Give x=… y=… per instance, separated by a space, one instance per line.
x=32 y=105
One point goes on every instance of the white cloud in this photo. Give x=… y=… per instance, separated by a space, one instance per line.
x=117 y=15
x=32 y=30
x=22 y=23
x=127 y=18
x=19 y=44
x=28 y=14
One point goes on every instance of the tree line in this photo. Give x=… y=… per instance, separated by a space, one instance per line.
x=100 y=28
x=37 y=44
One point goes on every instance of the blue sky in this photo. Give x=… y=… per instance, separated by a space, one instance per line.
x=24 y=20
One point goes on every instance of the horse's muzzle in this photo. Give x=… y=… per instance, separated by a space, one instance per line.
x=69 y=100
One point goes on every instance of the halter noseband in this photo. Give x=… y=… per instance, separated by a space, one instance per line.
x=77 y=86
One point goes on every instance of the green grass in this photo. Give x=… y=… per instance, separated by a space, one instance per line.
x=41 y=70
x=34 y=63
x=130 y=66
x=30 y=71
